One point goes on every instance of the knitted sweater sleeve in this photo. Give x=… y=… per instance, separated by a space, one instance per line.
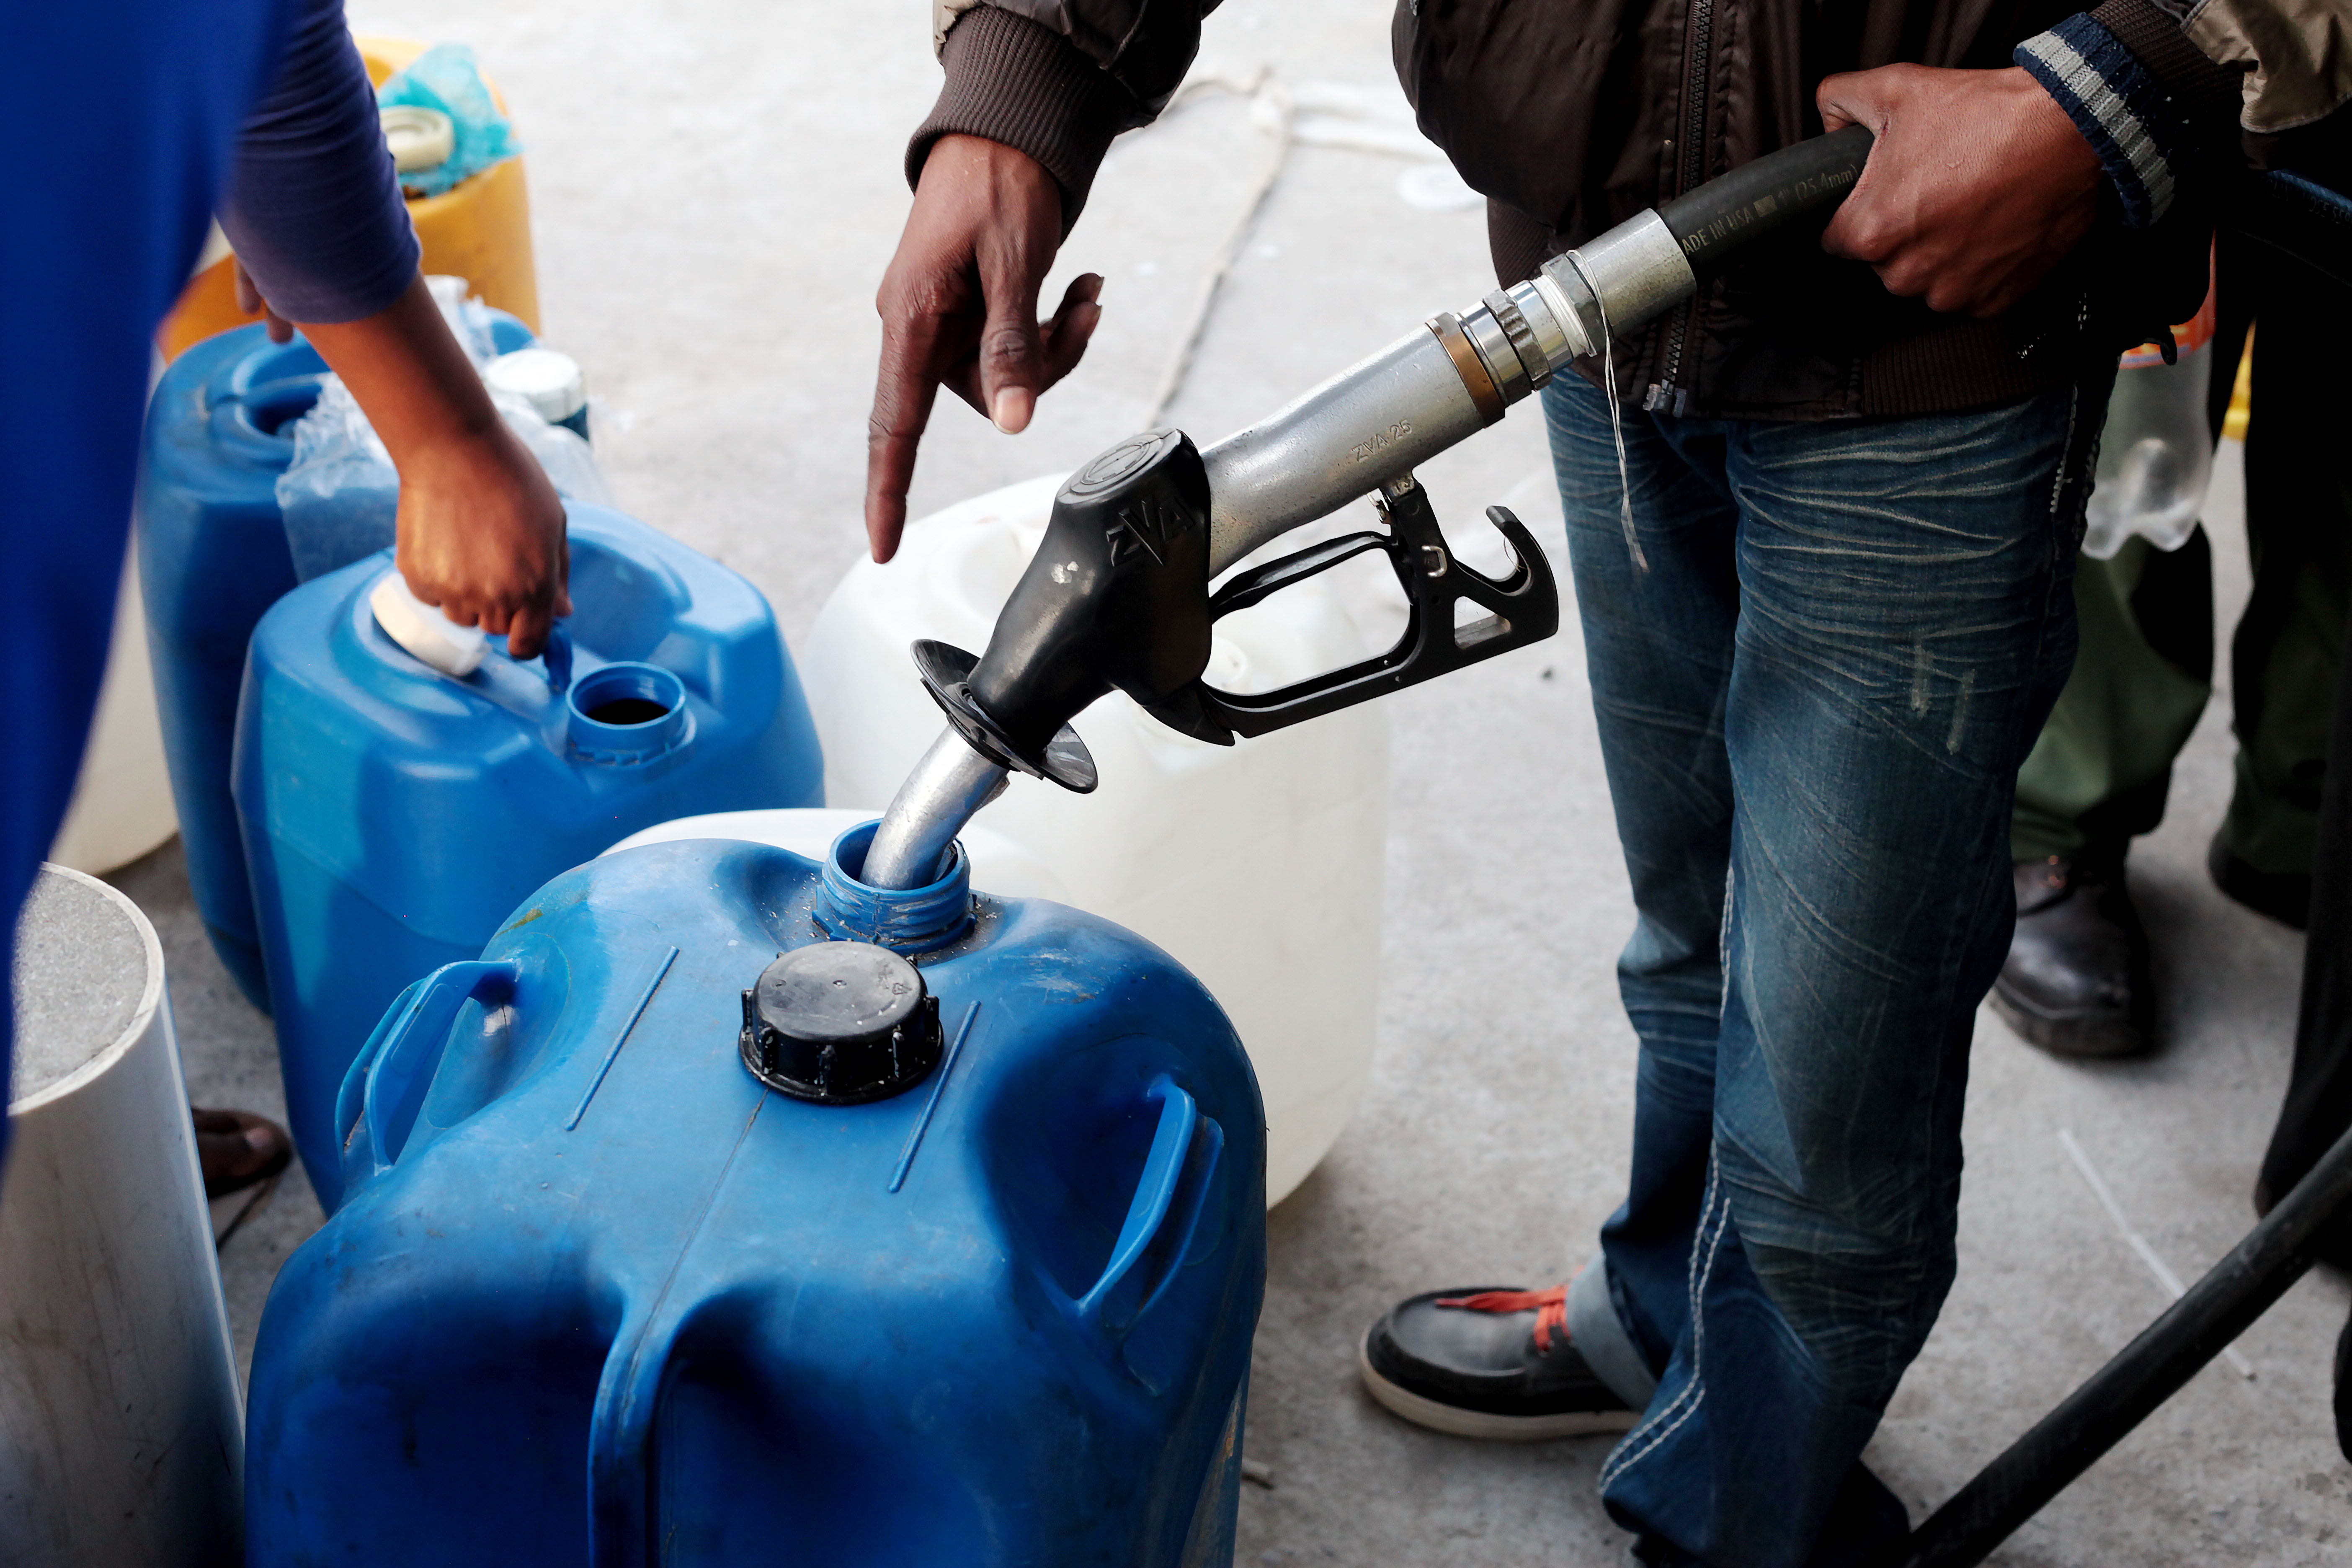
x=2160 y=88
x=1056 y=79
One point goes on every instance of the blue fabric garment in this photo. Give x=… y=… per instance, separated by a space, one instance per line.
x=132 y=111
x=314 y=210
x=1812 y=705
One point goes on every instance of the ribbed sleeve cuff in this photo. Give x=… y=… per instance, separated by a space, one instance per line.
x=2144 y=98
x=1013 y=82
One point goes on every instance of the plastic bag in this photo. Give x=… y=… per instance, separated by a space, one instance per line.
x=469 y=320
x=570 y=462
x=2156 y=454
x=446 y=77
x=340 y=495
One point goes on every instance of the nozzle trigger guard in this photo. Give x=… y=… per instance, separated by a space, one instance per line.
x=1522 y=608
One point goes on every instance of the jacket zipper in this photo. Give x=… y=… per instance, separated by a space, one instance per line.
x=1664 y=392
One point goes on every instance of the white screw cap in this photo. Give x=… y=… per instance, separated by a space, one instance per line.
x=550 y=382
x=420 y=138
x=423 y=631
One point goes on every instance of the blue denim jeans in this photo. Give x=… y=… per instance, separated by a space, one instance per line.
x=1814 y=688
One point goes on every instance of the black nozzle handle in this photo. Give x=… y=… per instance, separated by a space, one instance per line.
x=1521 y=607
x=1117 y=596
x=1733 y=212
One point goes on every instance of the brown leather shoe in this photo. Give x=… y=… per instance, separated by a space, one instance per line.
x=237 y=1149
x=2076 y=980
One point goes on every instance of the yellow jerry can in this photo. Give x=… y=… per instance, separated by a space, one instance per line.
x=480 y=231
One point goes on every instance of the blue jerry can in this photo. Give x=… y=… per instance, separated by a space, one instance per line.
x=675 y=1231
x=393 y=816
x=212 y=558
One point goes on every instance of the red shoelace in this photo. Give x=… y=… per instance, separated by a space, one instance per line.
x=1551 y=1308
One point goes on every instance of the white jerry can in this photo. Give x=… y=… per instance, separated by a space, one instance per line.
x=122 y=805
x=1258 y=866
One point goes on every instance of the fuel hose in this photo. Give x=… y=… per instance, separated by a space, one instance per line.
x=1735 y=211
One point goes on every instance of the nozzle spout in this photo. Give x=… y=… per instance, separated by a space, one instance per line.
x=947 y=788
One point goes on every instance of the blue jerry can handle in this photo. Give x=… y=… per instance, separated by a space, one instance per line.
x=382 y=1092
x=1183 y=1158
x=557 y=658
x=348 y=1095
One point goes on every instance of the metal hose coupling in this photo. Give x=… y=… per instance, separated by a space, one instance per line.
x=1383 y=417
x=1387 y=415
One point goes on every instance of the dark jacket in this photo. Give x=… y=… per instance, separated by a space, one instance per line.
x=1572 y=115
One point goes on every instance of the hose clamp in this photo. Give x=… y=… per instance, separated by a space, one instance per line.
x=1493 y=347
x=1477 y=381
x=1532 y=358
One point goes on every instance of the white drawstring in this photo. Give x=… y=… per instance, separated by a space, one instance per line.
x=1616 y=417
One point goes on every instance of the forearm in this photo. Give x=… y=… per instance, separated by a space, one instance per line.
x=481 y=530
x=419 y=390
x=314 y=206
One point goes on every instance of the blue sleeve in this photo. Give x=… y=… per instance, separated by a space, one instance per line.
x=313 y=209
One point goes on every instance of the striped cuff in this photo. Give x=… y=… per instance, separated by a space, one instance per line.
x=2116 y=105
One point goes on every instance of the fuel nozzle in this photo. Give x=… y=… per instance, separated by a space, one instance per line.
x=1117 y=596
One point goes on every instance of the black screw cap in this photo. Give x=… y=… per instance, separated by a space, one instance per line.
x=840 y=1022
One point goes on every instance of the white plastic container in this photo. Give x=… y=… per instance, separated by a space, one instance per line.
x=550 y=382
x=122 y=805
x=1259 y=866
x=121 y=1431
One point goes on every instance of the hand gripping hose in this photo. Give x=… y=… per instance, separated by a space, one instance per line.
x=1732 y=213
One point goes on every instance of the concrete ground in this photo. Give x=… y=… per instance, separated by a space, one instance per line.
x=717 y=188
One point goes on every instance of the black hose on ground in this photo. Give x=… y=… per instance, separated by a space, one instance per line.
x=1731 y=211
x=2149 y=1371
